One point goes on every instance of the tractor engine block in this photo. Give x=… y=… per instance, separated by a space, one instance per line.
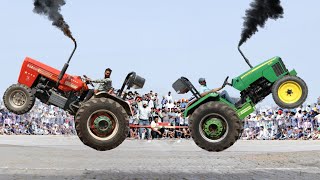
x=257 y=91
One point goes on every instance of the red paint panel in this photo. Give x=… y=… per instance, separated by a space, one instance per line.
x=31 y=69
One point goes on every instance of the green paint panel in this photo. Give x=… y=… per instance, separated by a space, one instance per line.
x=246 y=109
x=208 y=97
x=293 y=72
x=264 y=69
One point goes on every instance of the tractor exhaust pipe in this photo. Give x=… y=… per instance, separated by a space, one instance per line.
x=247 y=61
x=66 y=65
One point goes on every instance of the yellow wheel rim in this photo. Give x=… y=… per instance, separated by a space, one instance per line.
x=290 y=92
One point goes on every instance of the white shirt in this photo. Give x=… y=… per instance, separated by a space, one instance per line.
x=169 y=105
x=168 y=98
x=151 y=104
x=298 y=115
x=298 y=109
x=308 y=109
x=317 y=117
x=203 y=89
x=144 y=113
x=307 y=125
x=181 y=120
x=153 y=125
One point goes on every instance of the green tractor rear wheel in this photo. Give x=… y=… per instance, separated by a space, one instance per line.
x=214 y=126
x=289 y=92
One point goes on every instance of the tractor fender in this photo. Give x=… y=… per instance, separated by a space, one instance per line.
x=293 y=72
x=193 y=105
x=123 y=103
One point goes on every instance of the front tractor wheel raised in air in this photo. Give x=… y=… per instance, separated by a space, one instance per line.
x=102 y=124
x=19 y=99
x=214 y=126
x=289 y=92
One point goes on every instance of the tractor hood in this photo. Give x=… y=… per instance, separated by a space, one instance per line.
x=32 y=69
x=269 y=69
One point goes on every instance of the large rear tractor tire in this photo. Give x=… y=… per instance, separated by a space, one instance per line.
x=289 y=92
x=18 y=99
x=214 y=126
x=102 y=124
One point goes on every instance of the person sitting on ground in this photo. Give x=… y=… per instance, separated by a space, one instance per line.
x=204 y=90
x=155 y=131
x=186 y=133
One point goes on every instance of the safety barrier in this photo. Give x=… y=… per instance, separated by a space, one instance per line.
x=158 y=125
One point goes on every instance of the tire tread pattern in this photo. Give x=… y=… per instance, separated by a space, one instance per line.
x=84 y=113
x=224 y=110
x=31 y=98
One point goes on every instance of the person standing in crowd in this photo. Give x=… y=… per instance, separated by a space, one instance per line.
x=163 y=102
x=169 y=97
x=308 y=108
x=171 y=117
x=151 y=103
x=154 y=114
x=144 y=113
x=183 y=104
x=165 y=115
x=169 y=105
x=7 y=120
x=307 y=124
x=317 y=119
x=156 y=100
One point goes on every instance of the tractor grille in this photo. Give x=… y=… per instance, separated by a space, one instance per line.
x=283 y=66
x=278 y=69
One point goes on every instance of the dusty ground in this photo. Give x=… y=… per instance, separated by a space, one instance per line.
x=59 y=157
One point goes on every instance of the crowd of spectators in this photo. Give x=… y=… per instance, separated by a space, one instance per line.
x=41 y=120
x=283 y=124
x=149 y=110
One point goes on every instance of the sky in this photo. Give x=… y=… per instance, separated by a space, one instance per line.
x=161 y=41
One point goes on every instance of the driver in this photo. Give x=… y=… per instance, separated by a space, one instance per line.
x=204 y=90
x=104 y=84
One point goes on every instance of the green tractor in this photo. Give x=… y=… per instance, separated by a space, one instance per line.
x=216 y=123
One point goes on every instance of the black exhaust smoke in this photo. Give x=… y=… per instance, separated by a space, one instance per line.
x=257 y=15
x=51 y=8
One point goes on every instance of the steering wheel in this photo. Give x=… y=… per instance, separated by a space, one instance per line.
x=88 y=82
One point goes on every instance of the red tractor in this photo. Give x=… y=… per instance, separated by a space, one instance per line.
x=102 y=122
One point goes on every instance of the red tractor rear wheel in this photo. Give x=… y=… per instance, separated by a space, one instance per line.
x=102 y=124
